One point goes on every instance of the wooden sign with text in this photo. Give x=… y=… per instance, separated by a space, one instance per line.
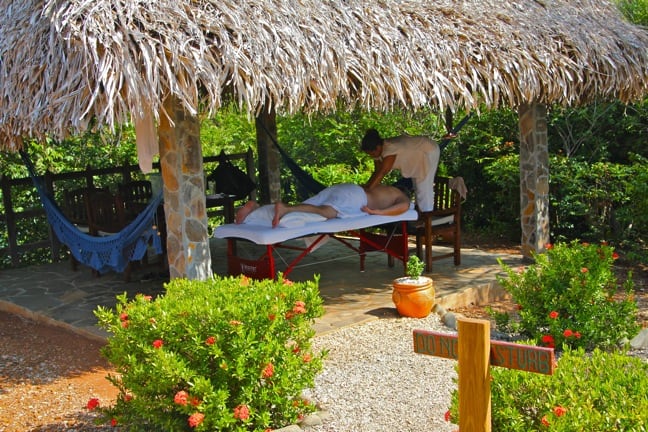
x=505 y=354
x=476 y=353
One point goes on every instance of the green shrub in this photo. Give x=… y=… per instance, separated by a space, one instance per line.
x=228 y=354
x=567 y=297
x=595 y=391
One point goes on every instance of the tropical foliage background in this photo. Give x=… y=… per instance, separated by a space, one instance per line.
x=598 y=160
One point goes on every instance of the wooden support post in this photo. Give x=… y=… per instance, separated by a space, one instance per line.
x=474 y=375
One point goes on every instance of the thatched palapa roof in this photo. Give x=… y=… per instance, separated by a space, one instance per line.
x=67 y=63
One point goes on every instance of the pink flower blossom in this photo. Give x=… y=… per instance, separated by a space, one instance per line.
x=181 y=397
x=548 y=340
x=92 y=403
x=559 y=411
x=568 y=333
x=242 y=412
x=268 y=371
x=299 y=308
x=553 y=314
x=195 y=419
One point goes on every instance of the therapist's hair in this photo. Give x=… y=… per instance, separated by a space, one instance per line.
x=371 y=140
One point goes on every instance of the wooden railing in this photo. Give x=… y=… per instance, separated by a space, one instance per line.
x=23 y=218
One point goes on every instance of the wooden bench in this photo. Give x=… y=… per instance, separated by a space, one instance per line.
x=443 y=224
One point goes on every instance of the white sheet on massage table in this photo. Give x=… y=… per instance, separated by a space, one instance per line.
x=267 y=235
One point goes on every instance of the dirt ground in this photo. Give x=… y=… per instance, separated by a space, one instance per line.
x=48 y=374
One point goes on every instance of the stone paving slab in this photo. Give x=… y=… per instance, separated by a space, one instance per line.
x=55 y=293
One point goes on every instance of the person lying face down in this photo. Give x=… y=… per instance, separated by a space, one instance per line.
x=342 y=200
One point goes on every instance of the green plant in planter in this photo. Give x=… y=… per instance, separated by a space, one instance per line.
x=414 y=267
x=227 y=354
x=570 y=297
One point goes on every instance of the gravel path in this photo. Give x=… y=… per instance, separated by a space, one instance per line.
x=374 y=382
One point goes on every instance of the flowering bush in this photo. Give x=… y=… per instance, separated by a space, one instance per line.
x=596 y=391
x=567 y=298
x=228 y=354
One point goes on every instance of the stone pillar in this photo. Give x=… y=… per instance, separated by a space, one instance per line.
x=181 y=165
x=534 y=178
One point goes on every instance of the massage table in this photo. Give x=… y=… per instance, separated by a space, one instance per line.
x=394 y=243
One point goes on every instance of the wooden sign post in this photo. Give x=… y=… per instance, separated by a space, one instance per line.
x=476 y=353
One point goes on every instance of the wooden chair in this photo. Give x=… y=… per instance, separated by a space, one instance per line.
x=135 y=196
x=106 y=216
x=443 y=224
x=105 y=213
x=75 y=209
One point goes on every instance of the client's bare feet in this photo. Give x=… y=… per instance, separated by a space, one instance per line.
x=242 y=212
x=280 y=210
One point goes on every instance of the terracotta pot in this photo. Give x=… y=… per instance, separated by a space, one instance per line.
x=413 y=297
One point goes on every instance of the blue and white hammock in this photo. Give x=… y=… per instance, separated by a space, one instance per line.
x=104 y=253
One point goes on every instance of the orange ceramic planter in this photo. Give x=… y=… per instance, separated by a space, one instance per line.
x=413 y=298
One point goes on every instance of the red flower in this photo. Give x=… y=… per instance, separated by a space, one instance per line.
x=548 y=340
x=181 y=397
x=268 y=371
x=553 y=314
x=548 y=246
x=296 y=349
x=544 y=421
x=195 y=419
x=615 y=255
x=211 y=340
x=92 y=403
x=559 y=411
x=577 y=335
x=128 y=397
x=568 y=333
x=299 y=308
x=123 y=316
x=307 y=358
x=287 y=282
x=447 y=416
x=289 y=314
x=195 y=401
x=584 y=270
x=242 y=412
x=157 y=343
x=124 y=324
x=113 y=422
x=272 y=317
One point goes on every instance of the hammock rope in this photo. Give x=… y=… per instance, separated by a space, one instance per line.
x=102 y=253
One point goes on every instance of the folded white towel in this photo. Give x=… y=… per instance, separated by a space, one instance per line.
x=457 y=183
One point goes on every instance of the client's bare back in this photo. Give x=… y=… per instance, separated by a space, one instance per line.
x=382 y=196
